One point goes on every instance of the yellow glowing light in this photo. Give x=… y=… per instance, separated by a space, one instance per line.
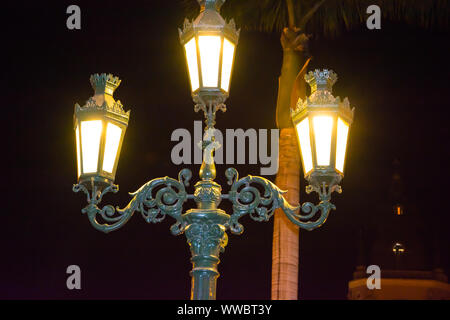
x=323 y=126
x=398 y=248
x=191 y=57
x=305 y=144
x=77 y=133
x=341 y=144
x=398 y=210
x=209 y=47
x=91 y=132
x=113 y=134
x=227 y=64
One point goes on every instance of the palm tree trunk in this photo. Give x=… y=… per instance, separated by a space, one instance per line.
x=285 y=248
x=285 y=233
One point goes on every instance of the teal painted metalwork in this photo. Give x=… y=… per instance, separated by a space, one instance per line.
x=206 y=225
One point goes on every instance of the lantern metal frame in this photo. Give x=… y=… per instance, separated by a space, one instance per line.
x=323 y=179
x=102 y=107
x=209 y=23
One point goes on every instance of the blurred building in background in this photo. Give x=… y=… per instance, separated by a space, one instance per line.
x=407 y=251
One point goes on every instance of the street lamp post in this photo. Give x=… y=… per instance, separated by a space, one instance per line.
x=206 y=225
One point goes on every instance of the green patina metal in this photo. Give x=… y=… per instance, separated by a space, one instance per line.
x=206 y=225
x=207 y=238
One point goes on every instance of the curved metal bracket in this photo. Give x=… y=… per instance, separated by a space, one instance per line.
x=155 y=199
x=248 y=199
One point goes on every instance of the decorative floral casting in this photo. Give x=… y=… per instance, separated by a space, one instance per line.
x=207 y=238
x=153 y=205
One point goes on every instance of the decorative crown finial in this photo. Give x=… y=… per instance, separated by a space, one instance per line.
x=321 y=80
x=103 y=100
x=210 y=4
x=103 y=83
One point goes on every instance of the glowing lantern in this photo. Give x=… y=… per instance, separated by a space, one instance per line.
x=322 y=123
x=100 y=127
x=210 y=44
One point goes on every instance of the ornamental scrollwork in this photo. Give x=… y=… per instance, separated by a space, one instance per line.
x=311 y=210
x=113 y=222
x=248 y=199
x=154 y=200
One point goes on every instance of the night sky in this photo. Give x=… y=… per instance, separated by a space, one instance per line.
x=396 y=78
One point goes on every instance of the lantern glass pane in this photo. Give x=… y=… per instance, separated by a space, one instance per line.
x=91 y=132
x=305 y=144
x=209 y=47
x=341 y=144
x=77 y=133
x=323 y=126
x=113 y=134
x=227 y=64
x=191 y=57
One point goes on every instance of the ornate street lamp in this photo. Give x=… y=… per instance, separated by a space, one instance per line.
x=205 y=226
x=100 y=126
x=322 y=123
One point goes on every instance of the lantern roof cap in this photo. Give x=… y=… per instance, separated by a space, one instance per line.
x=321 y=98
x=104 y=83
x=210 y=4
x=209 y=19
x=104 y=86
x=321 y=80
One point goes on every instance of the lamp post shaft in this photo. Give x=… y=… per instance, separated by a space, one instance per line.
x=204 y=283
x=206 y=237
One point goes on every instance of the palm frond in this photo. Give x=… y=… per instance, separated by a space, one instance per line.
x=332 y=17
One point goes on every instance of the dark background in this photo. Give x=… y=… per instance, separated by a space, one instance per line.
x=396 y=77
